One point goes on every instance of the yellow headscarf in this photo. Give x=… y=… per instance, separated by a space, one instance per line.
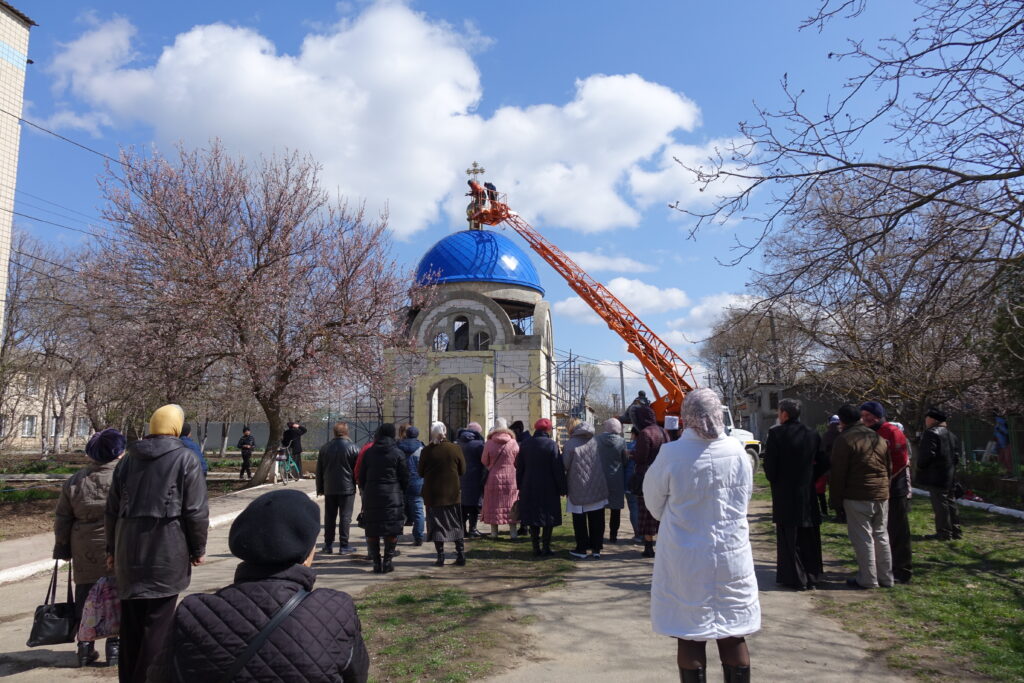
x=167 y=420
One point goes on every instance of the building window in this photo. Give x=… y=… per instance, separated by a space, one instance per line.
x=460 y=334
x=32 y=386
x=28 y=426
x=481 y=341
x=83 y=427
x=773 y=400
x=441 y=342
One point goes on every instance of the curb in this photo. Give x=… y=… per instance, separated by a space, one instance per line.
x=24 y=571
x=987 y=507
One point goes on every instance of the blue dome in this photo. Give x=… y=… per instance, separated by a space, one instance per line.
x=478 y=256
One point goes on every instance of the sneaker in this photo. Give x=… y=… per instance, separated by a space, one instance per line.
x=417 y=542
x=346 y=550
x=579 y=554
x=596 y=556
x=327 y=548
x=852 y=583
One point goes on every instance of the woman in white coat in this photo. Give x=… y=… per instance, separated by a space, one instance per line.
x=704 y=586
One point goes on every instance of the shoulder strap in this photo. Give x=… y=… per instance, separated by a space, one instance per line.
x=257 y=642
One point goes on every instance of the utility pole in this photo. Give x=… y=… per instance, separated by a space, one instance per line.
x=776 y=370
x=622 y=390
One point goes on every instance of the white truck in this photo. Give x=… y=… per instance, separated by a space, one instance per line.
x=751 y=445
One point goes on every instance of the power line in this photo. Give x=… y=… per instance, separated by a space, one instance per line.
x=58 y=225
x=48 y=201
x=65 y=139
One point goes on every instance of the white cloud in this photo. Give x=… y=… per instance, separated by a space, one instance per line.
x=638 y=296
x=386 y=100
x=577 y=310
x=595 y=261
x=710 y=308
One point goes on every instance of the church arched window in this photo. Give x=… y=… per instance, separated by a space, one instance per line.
x=460 y=334
x=441 y=341
x=481 y=341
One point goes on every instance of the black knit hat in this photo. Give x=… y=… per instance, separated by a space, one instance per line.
x=936 y=414
x=278 y=528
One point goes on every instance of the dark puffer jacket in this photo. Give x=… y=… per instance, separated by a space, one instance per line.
x=540 y=477
x=334 y=467
x=321 y=640
x=383 y=477
x=472 y=445
x=157 y=518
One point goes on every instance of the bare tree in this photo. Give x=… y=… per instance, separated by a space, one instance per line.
x=256 y=265
x=933 y=122
x=894 y=317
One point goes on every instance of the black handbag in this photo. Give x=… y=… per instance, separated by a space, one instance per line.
x=54 y=622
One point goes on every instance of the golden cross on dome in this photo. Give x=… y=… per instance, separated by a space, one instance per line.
x=475 y=170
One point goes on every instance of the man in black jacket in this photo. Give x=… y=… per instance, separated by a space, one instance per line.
x=793 y=461
x=937 y=456
x=157 y=521
x=292 y=440
x=320 y=640
x=334 y=481
x=246 y=444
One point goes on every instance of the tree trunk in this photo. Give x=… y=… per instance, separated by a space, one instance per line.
x=224 y=428
x=275 y=424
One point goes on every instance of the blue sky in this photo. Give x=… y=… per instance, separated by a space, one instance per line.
x=575 y=107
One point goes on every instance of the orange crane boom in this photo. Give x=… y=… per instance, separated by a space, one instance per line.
x=662 y=365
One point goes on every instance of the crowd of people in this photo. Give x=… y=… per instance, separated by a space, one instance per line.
x=138 y=515
x=864 y=460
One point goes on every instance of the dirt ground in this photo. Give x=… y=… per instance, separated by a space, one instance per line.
x=27 y=518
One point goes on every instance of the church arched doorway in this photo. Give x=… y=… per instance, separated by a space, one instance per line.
x=454 y=408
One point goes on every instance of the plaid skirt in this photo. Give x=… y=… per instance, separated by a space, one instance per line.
x=648 y=524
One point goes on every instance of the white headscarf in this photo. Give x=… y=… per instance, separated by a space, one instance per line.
x=702 y=412
x=438 y=432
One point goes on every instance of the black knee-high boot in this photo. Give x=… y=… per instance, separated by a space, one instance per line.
x=693 y=676
x=535 y=537
x=373 y=549
x=736 y=674
x=439 y=547
x=613 y=525
x=389 y=552
x=460 y=552
x=547 y=540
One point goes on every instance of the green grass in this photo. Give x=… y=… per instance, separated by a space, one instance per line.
x=425 y=630
x=503 y=558
x=429 y=630
x=23 y=495
x=964 y=609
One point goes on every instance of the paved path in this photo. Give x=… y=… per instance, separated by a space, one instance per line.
x=598 y=629
x=594 y=629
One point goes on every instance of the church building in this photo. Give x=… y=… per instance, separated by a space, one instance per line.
x=486 y=338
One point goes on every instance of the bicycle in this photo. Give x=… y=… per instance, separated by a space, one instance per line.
x=291 y=469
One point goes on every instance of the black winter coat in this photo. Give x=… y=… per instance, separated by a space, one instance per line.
x=540 y=477
x=383 y=478
x=791 y=454
x=936 y=458
x=157 y=518
x=334 y=467
x=321 y=640
x=292 y=438
x=472 y=445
